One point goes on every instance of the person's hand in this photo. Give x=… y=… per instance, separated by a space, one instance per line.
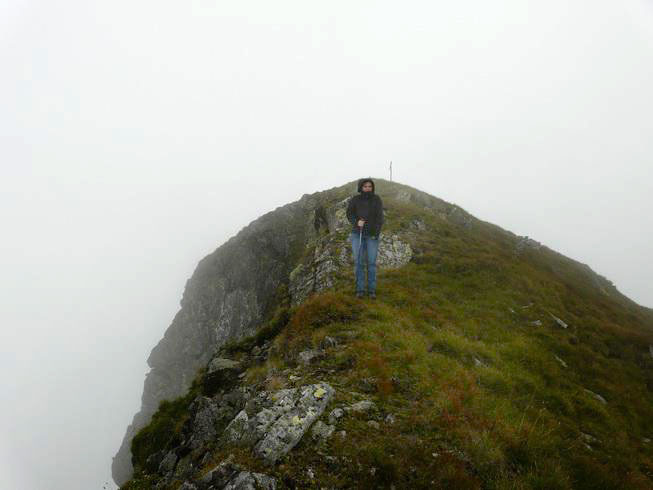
x=361 y=222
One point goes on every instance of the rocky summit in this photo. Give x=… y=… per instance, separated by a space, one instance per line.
x=488 y=360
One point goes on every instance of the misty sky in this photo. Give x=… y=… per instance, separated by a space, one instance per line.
x=136 y=137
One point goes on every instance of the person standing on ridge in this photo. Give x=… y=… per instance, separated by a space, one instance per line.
x=365 y=213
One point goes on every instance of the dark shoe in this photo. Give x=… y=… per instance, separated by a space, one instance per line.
x=372 y=295
x=360 y=294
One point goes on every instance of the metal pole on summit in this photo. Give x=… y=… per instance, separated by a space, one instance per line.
x=390 y=170
x=360 y=245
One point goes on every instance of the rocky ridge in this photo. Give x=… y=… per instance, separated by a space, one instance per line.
x=302 y=246
x=302 y=249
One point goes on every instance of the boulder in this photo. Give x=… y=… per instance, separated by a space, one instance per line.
x=321 y=431
x=362 y=406
x=393 y=252
x=335 y=414
x=246 y=480
x=209 y=417
x=281 y=422
x=524 y=243
x=229 y=475
x=309 y=356
x=168 y=463
x=222 y=374
x=289 y=427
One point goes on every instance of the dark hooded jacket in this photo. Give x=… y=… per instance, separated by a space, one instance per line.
x=366 y=205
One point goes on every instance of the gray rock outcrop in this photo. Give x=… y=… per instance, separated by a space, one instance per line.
x=282 y=421
x=524 y=243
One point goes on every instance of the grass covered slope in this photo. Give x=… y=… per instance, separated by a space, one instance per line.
x=462 y=347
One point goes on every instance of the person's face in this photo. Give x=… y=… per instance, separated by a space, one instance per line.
x=367 y=187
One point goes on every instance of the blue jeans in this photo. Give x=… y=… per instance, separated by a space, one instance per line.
x=372 y=247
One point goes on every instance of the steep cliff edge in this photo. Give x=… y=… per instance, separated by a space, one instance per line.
x=507 y=319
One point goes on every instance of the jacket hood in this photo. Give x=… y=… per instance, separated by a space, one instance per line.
x=362 y=181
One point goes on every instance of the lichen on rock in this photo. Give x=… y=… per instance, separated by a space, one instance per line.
x=283 y=419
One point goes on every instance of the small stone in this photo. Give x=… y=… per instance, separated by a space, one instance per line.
x=373 y=423
x=368 y=385
x=536 y=323
x=590 y=439
x=206 y=458
x=363 y=406
x=309 y=356
x=335 y=414
x=328 y=342
x=563 y=363
x=559 y=321
x=596 y=396
x=390 y=419
x=418 y=224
